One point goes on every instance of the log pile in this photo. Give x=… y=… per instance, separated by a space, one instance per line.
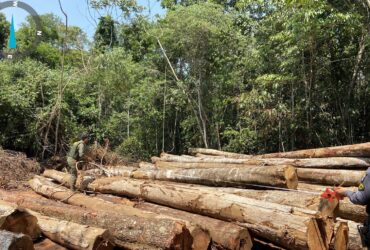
x=209 y=199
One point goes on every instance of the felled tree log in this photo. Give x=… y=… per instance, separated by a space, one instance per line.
x=151 y=229
x=221 y=206
x=73 y=235
x=330 y=177
x=207 y=151
x=356 y=150
x=14 y=241
x=47 y=244
x=223 y=234
x=278 y=176
x=146 y=165
x=174 y=161
x=17 y=220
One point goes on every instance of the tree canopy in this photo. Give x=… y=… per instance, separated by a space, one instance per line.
x=249 y=76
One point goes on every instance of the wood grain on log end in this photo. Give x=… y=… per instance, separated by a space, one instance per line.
x=291 y=177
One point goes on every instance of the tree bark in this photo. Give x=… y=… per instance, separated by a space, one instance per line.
x=283 y=225
x=214 y=152
x=277 y=176
x=73 y=235
x=17 y=220
x=225 y=235
x=151 y=229
x=174 y=161
x=356 y=150
x=330 y=177
x=14 y=241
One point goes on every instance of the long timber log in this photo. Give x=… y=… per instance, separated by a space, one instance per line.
x=15 y=241
x=272 y=217
x=151 y=229
x=223 y=234
x=174 y=161
x=72 y=235
x=18 y=220
x=277 y=176
x=356 y=150
x=215 y=152
x=330 y=176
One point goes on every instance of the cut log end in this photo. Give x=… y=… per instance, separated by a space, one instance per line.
x=13 y=241
x=291 y=177
x=341 y=237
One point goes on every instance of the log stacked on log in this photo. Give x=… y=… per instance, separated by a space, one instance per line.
x=210 y=200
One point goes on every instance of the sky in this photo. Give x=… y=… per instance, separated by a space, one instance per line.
x=77 y=11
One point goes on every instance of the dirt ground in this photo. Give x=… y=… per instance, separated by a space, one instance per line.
x=16 y=169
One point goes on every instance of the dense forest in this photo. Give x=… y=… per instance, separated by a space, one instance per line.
x=248 y=76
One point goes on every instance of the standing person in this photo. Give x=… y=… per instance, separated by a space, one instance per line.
x=75 y=154
x=361 y=197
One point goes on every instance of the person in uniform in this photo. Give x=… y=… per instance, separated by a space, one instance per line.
x=361 y=197
x=75 y=154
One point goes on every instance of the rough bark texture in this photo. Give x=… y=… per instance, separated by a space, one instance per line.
x=14 y=241
x=151 y=229
x=224 y=234
x=214 y=152
x=18 y=220
x=356 y=150
x=278 y=176
x=331 y=177
x=73 y=235
x=275 y=222
x=168 y=161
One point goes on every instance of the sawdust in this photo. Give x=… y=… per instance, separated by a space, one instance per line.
x=16 y=169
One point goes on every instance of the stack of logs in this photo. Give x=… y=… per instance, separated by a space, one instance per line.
x=209 y=199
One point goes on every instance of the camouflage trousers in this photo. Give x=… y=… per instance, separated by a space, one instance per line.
x=73 y=172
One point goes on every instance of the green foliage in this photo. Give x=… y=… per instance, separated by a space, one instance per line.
x=4 y=31
x=132 y=148
x=248 y=76
x=105 y=34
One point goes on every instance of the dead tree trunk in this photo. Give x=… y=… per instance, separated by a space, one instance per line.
x=223 y=234
x=356 y=150
x=278 y=176
x=331 y=177
x=174 y=161
x=14 y=241
x=222 y=206
x=152 y=229
x=215 y=152
x=73 y=235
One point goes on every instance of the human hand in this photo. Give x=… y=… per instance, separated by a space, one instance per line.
x=341 y=191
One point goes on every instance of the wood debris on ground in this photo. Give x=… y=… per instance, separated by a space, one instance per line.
x=209 y=199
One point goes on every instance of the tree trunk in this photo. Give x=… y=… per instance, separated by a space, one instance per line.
x=331 y=177
x=47 y=244
x=150 y=228
x=17 y=220
x=174 y=161
x=223 y=234
x=72 y=235
x=14 y=241
x=356 y=150
x=214 y=152
x=221 y=206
